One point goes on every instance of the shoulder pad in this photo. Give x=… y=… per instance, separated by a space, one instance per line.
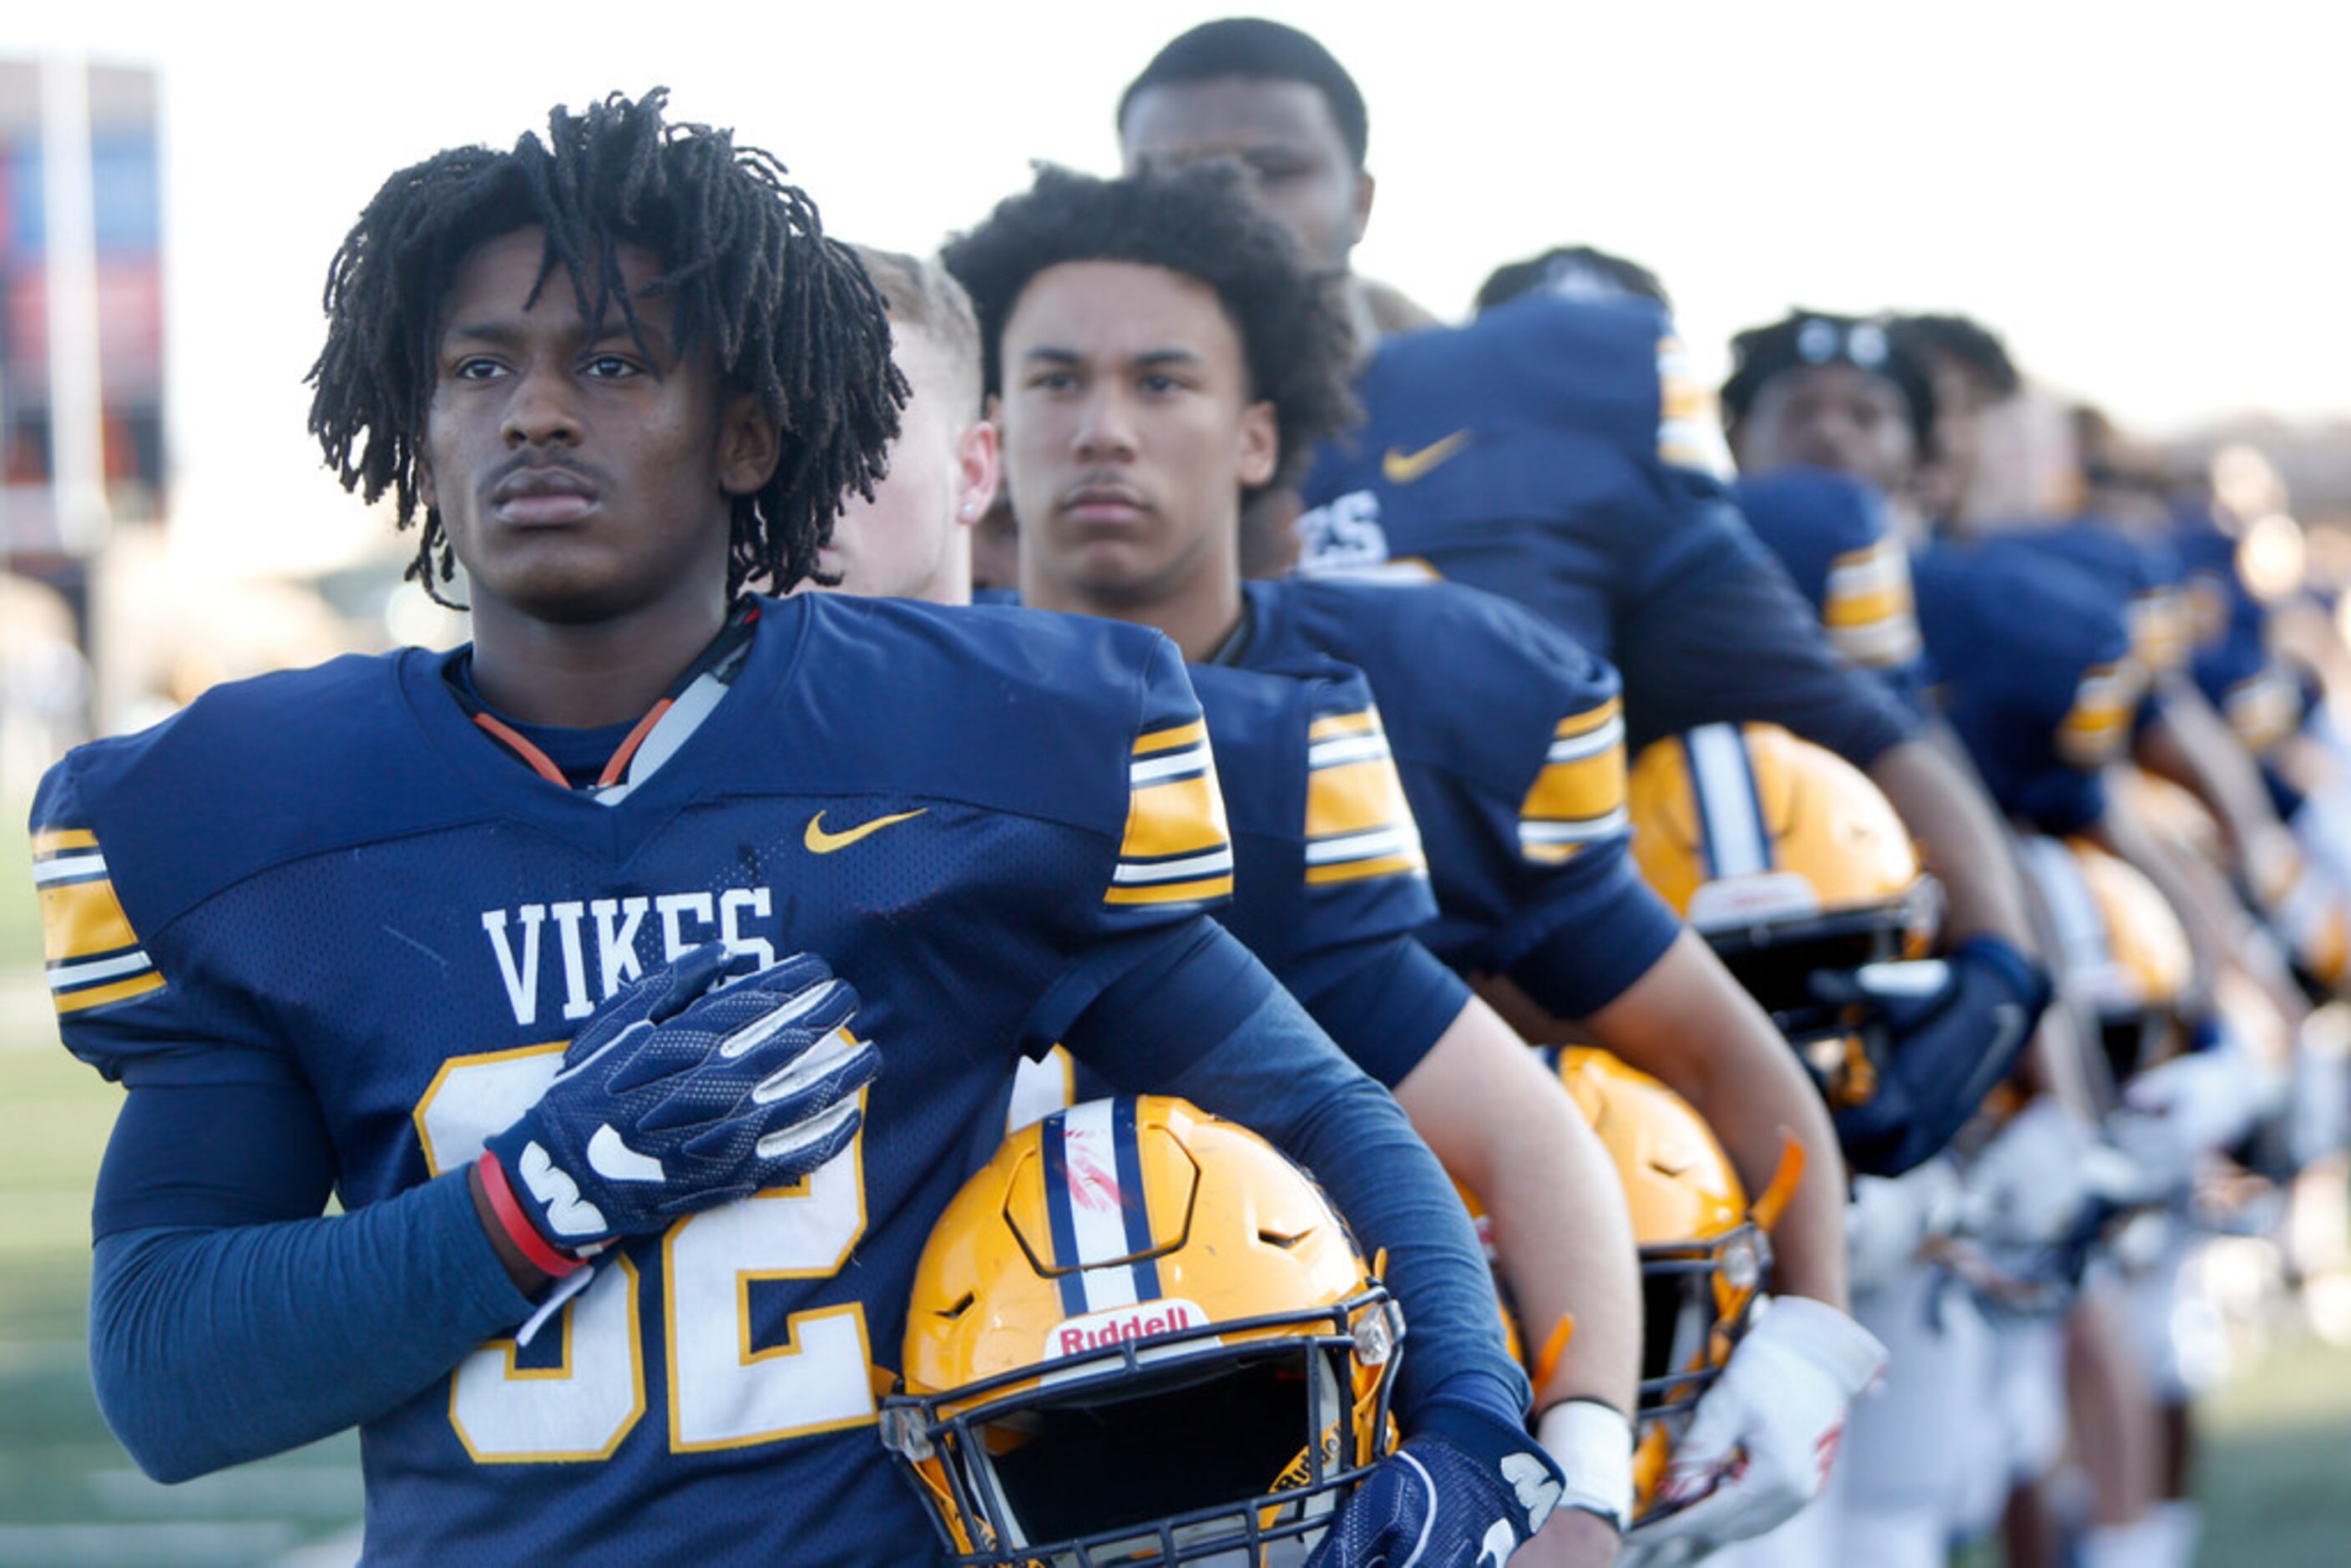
x=300 y=762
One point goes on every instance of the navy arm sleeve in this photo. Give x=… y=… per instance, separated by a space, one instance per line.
x=230 y=1320
x=1204 y=1019
x=1725 y=636
x=1385 y=1003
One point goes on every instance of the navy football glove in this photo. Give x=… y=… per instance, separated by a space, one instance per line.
x=1955 y=1026
x=693 y=1086
x=1466 y=1491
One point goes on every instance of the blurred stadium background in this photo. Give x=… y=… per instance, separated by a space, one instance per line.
x=124 y=591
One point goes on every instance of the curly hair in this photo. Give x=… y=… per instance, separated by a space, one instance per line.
x=1972 y=344
x=1198 y=221
x=788 y=314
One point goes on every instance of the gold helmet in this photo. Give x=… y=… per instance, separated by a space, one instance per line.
x=2122 y=950
x=1140 y=1333
x=1789 y=862
x=1704 y=1251
x=1704 y=1248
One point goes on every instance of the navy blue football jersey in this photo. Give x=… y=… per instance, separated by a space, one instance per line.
x=1509 y=742
x=2034 y=665
x=1328 y=877
x=333 y=878
x=1832 y=533
x=2231 y=661
x=1551 y=453
x=2145 y=573
x=1330 y=881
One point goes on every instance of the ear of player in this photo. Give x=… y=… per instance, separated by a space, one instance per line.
x=693 y=1086
x=1798 y=872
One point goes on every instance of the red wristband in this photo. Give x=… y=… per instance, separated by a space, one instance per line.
x=519 y=1227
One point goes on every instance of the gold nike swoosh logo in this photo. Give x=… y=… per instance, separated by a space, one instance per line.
x=820 y=843
x=1403 y=467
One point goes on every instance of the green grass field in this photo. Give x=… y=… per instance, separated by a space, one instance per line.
x=2276 y=1477
x=68 y=1494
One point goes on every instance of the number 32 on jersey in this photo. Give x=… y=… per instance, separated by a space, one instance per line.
x=723 y=1393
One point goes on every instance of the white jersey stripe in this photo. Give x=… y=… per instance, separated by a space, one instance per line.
x=1578 y=832
x=69 y=974
x=68 y=868
x=1361 y=846
x=1347 y=749
x=1575 y=749
x=1159 y=770
x=1210 y=864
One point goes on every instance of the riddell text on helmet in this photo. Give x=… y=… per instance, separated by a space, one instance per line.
x=1100 y=1330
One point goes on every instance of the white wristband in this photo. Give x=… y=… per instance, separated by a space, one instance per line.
x=1593 y=1446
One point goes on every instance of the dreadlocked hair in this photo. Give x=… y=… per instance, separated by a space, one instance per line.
x=1198 y=221
x=788 y=315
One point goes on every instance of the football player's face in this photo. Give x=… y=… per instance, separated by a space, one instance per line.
x=1961 y=400
x=1282 y=132
x=582 y=477
x=909 y=541
x=1129 y=434
x=1831 y=417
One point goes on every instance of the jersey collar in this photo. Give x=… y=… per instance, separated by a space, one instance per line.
x=654 y=740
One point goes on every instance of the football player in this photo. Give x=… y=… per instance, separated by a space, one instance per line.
x=2034 y=657
x=1552 y=452
x=1578 y=271
x=334 y=928
x=2108 y=511
x=1148 y=347
x=1330 y=883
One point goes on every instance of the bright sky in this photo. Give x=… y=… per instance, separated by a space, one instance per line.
x=2147 y=198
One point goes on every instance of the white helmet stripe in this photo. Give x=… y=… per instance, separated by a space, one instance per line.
x=1736 y=842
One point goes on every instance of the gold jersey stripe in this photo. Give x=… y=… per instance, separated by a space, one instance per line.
x=2160 y=630
x=51 y=841
x=1338 y=724
x=1356 y=871
x=2093 y=731
x=1587 y=721
x=1354 y=798
x=1577 y=791
x=97 y=996
x=82 y=920
x=1181 y=817
x=1679 y=399
x=1865 y=608
x=1172 y=892
x=1168 y=740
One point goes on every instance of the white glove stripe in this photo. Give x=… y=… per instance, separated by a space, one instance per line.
x=1428 y=1518
x=761 y=1030
x=802 y=1135
x=810 y=1065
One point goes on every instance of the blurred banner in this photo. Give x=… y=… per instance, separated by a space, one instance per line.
x=81 y=310
x=81 y=377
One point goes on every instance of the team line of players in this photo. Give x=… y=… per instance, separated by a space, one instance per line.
x=1382 y=802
